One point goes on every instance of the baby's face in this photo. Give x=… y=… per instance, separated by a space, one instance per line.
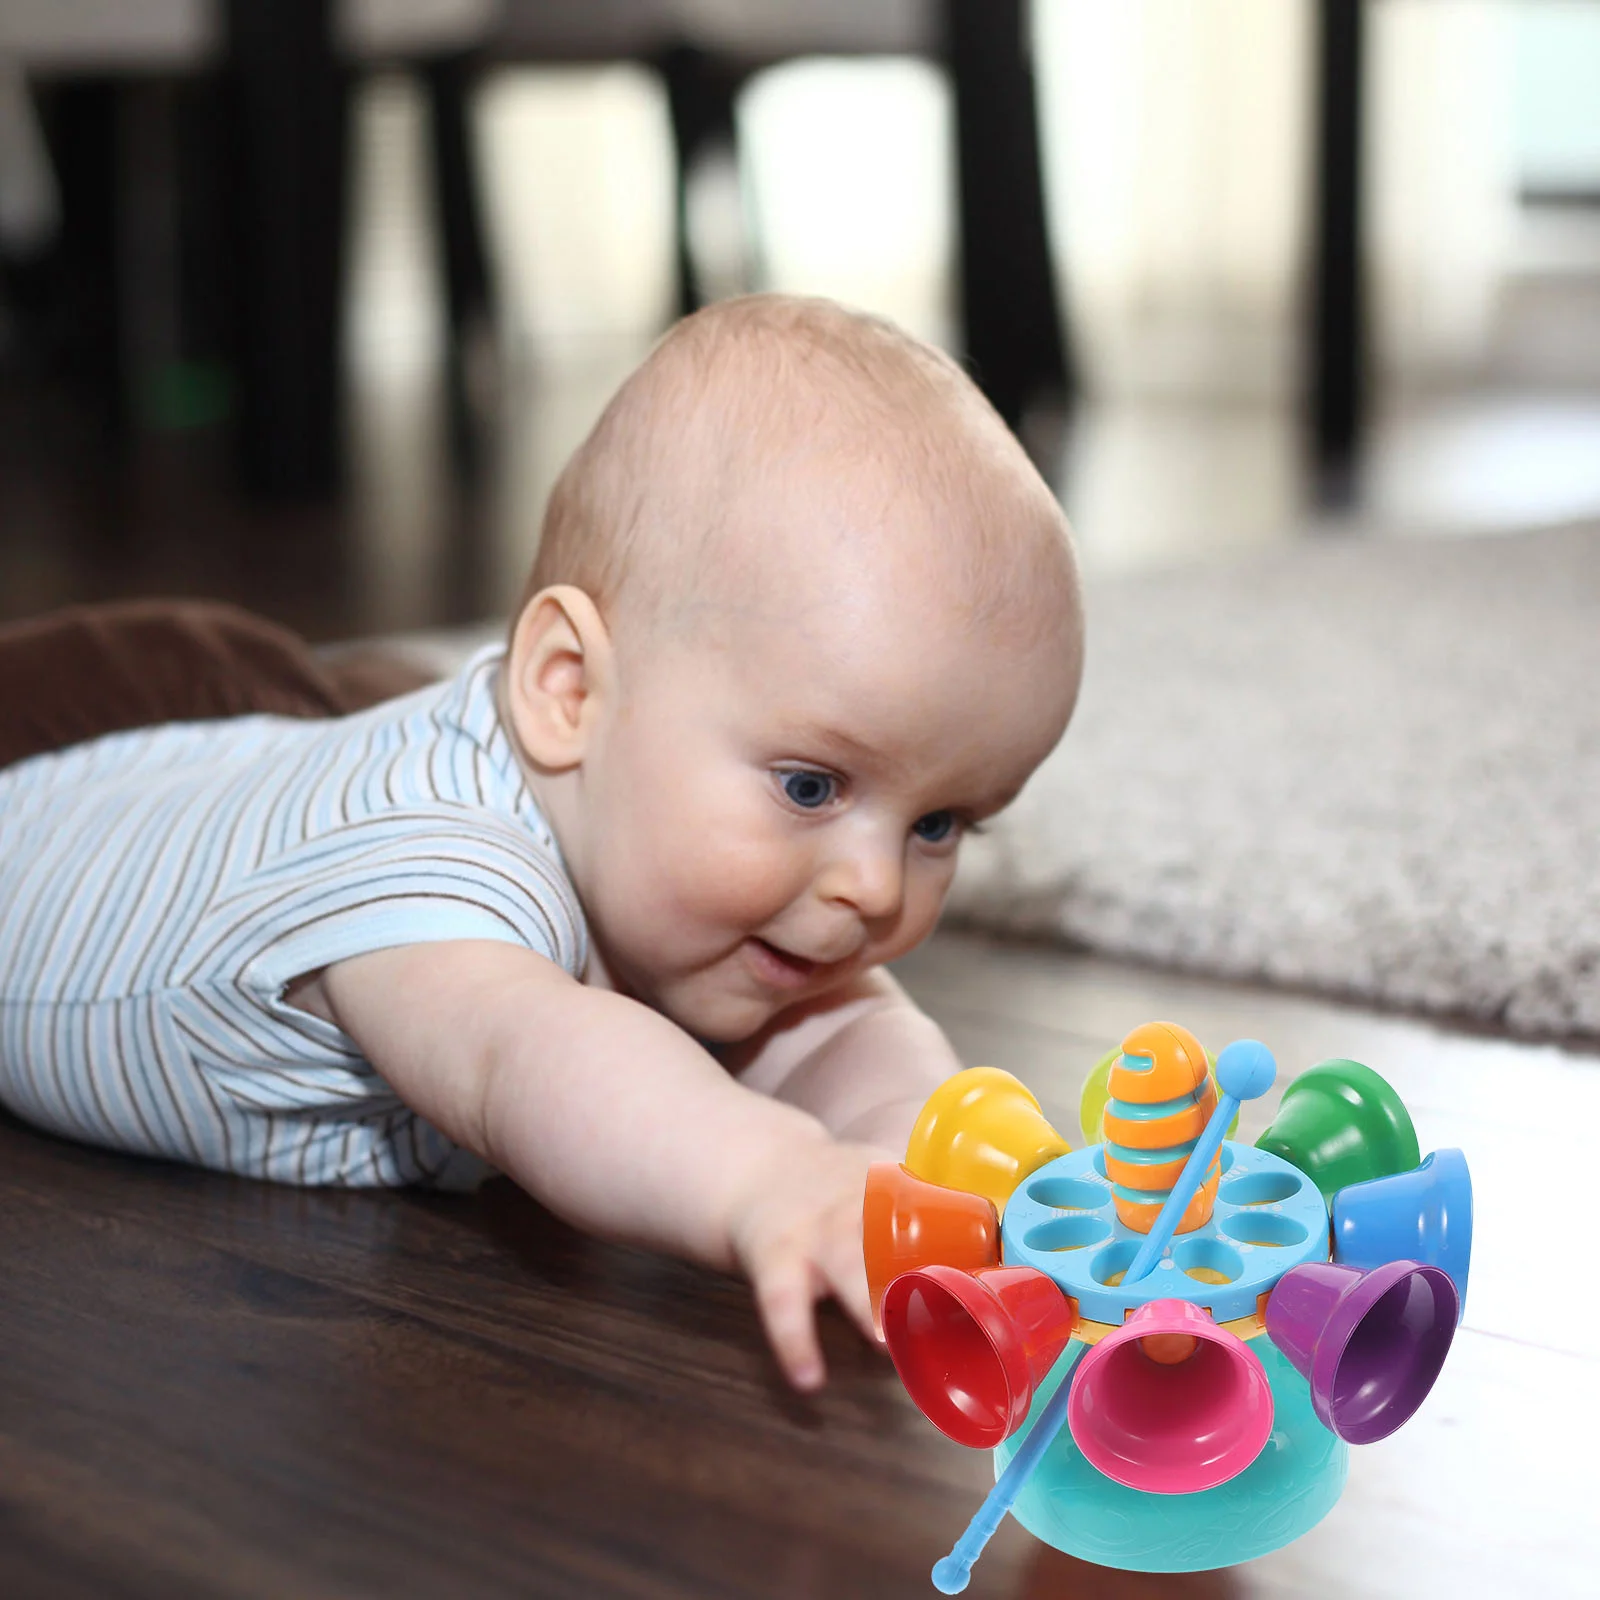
x=777 y=805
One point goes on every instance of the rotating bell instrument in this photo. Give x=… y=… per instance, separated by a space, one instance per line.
x=1169 y=1339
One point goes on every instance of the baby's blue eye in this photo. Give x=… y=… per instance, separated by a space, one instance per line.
x=808 y=790
x=935 y=827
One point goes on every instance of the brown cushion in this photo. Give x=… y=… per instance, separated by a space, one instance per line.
x=91 y=670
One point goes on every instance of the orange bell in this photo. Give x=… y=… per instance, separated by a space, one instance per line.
x=908 y=1222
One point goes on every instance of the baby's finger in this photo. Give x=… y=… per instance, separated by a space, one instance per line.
x=784 y=1295
x=846 y=1275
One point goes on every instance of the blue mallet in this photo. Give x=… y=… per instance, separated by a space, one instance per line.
x=951 y=1572
x=1245 y=1071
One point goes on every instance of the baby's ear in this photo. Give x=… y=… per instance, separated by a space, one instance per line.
x=558 y=675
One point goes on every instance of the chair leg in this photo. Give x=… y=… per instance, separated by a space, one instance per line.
x=702 y=89
x=70 y=292
x=290 y=102
x=1337 y=343
x=1015 y=330
x=469 y=289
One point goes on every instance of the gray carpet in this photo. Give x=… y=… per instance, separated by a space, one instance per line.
x=1367 y=768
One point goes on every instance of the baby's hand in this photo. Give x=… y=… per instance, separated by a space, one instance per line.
x=797 y=1237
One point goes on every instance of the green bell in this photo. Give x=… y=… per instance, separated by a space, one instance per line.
x=1340 y=1123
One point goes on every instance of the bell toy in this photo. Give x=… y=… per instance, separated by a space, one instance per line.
x=1422 y=1215
x=998 y=1331
x=1341 y=1124
x=1095 y=1096
x=1370 y=1344
x=1170 y=1403
x=1168 y=1366
x=982 y=1131
x=908 y=1222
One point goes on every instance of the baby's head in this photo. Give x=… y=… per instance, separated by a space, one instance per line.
x=802 y=614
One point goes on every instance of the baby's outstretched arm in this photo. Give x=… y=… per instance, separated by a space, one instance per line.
x=862 y=1060
x=617 y=1120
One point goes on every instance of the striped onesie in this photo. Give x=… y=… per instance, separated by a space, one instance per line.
x=160 y=888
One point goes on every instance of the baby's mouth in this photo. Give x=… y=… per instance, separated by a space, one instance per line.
x=778 y=967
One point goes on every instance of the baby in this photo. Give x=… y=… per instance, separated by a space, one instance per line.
x=609 y=911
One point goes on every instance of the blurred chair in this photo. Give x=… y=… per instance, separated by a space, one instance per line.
x=281 y=72
x=707 y=50
x=284 y=68
x=63 y=260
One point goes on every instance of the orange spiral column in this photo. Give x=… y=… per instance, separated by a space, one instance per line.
x=1161 y=1098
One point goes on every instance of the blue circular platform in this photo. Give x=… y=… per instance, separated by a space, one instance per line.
x=1268 y=1218
x=1286 y=1491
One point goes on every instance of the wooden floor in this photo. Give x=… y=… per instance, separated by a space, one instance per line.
x=212 y=1387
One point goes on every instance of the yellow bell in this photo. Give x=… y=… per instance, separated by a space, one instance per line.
x=982 y=1131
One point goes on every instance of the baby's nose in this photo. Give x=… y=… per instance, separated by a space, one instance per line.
x=870 y=881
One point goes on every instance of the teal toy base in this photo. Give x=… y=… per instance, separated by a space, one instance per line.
x=1286 y=1491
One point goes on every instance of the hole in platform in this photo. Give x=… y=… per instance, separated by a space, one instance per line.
x=1264 y=1228
x=1208 y=1260
x=1109 y=1266
x=1066 y=1233
x=1068 y=1194
x=1261 y=1189
x=1100 y=1159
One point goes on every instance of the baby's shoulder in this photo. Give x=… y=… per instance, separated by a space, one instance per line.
x=440 y=751
x=267 y=848
x=261 y=793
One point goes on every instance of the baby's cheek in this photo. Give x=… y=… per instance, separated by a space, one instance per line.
x=730 y=892
x=730 y=875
